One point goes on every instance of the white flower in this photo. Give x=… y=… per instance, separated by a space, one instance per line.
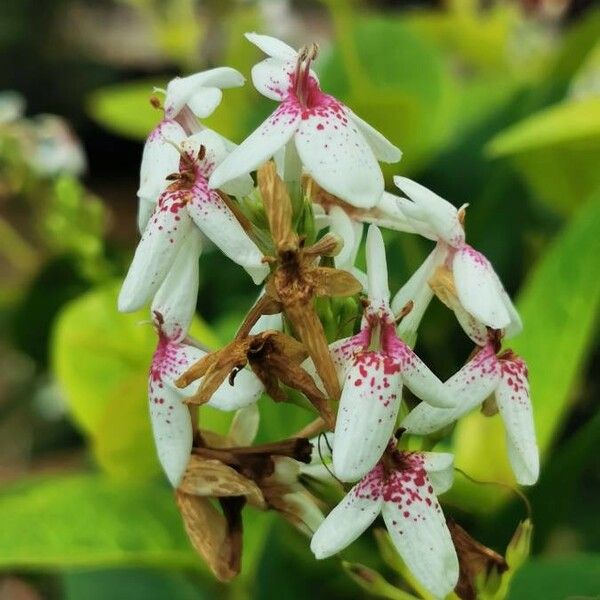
x=402 y=488
x=57 y=149
x=349 y=231
x=187 y=98
x=186 y=202
x=480 y=299
x=373 y=365
x=12 y=106
x=285 y=493
x=337 y=148
x=170 y=416
x=505 y=376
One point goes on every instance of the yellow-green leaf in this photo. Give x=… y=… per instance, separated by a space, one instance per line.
x=125 y=108
x=89 y=520
x=101 y=360
x=566 y=122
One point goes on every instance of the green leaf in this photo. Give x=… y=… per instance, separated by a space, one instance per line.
x=89 y=520
x=557 y=151
x=557 y=578
x=130 y=584
x=402 y=89
x=569 y=121
x=101 y=360
x=559 y=305
x=124 y=108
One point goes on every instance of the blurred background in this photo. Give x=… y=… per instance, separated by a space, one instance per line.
x=493 y=103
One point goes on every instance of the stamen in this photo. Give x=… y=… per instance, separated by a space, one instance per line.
x=155 y=102
x=302 y=74
x=405 y=310
x=461 y=214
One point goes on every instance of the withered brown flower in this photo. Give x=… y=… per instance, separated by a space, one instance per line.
x=232 y=476
x=296 y=280
x=474 y=560
x=274 y=357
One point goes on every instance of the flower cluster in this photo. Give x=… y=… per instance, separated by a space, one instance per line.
x=297 y=233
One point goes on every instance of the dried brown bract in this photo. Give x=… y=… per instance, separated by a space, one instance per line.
x=296 y=280
x=474 y=560
x=274 y=357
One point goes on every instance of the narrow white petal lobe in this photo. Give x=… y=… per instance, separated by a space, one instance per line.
x=367 y=414
x=351 y=517
x=336 y=155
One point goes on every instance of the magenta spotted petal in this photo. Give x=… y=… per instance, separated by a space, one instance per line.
x=337 y=149
x=404 y=492
x=169 y=225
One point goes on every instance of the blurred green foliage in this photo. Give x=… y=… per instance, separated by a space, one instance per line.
x=489 y=108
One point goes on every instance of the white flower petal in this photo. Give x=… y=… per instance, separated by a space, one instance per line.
x=469 y=387
x=515 y=326
x=246 y=390
x=440 y=470
x=344 y=351
x=272 y=46
x=377 y=273
x=171 y=421
x=169 y=225
x=204 y=102
x=214 y=149
x=422 y=382
x=367 y=414
x=336 y=155
x=244 y=426
x=387 y=213
x=239 y=187
x=172 y=428
x=351 y=517
x=145 y=210
x=181 y=89
x=160 y=158
x=512 y=397
x=477 y=287
x=383 y=149
x=272 y=77
x=259 y=146
x=475 y=329
x=218 y=223
x=177 y=296
x=267 y=322
x=432 y=209
x=419 y=532
x=418 y=290
x=302 y=511
x=350 y=231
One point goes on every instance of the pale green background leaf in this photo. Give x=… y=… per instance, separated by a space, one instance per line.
x=101 y=360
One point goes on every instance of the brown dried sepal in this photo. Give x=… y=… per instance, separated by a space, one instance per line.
x=319 y=196
x=212 y=478
x=210 y=534
x=474 y=559
x=278 y=208
x=274 y=357
x=296 y=280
